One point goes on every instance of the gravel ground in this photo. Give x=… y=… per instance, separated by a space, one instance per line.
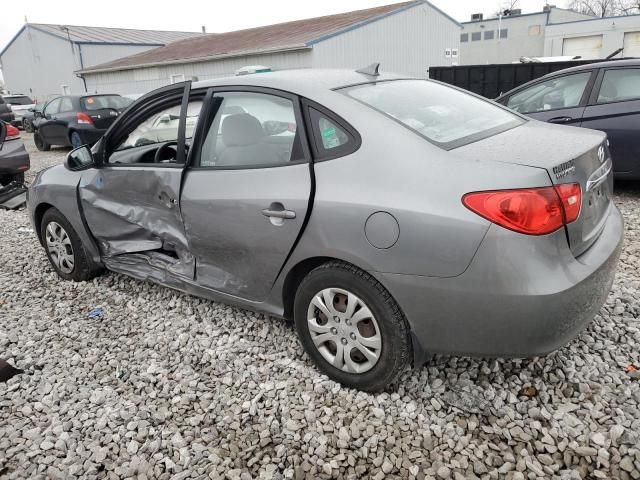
x=165 y=385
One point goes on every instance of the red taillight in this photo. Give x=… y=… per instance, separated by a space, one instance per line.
x=533 y=211
x=12 y=133
x=84 y=118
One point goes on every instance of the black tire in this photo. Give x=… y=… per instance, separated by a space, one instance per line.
x=40 y=143
x=75 y=139
x=28 y=127
x=395 y=354
x=8 y=178
x=83 y=267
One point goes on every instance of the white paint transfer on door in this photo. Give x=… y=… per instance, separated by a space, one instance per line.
x=586 y=47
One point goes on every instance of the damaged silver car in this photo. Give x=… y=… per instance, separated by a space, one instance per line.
x=390 y=218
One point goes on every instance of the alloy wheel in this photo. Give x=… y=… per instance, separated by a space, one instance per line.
x=344 y=330
x=59 y=247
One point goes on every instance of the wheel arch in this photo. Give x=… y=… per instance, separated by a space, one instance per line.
x=38 y=213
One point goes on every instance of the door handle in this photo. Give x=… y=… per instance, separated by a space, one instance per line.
x=560 y=120
x=284 y=214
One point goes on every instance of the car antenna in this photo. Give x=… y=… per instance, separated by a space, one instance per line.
x=372 y=70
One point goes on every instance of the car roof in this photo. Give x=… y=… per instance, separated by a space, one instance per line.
x=633 y=62
x=305 y=82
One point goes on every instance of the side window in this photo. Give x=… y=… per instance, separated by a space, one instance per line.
x=252 y=130
x=162 y=126
x=52 y=107
x=66 y=105
x=476 y=36
x=562 y=92
x=331 y=139
x=620 y=85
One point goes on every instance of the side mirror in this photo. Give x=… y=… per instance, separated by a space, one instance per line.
x=79 y=158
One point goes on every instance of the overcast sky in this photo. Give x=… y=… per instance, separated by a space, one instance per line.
x=217 y=15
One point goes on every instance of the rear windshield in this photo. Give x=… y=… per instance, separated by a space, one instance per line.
x=18 y=100
x=443 y=115
x=99 y=102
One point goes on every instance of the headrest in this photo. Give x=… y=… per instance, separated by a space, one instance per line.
x=241 y=129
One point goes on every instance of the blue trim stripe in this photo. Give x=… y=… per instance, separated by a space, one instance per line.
x=375 y=19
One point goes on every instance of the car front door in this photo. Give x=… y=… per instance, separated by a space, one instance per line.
x=131 y=202
x=46 y=126
x=614 y=108
x=559 y=99
x=58 y=126
x=246 y=194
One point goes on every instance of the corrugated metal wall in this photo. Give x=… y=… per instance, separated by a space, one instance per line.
x=406 y=42
x=145 y=79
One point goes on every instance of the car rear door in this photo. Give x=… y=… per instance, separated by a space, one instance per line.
x=58 y=124
x=246 y=194
x=614 y=108
x=557 y=99
x=131 y=203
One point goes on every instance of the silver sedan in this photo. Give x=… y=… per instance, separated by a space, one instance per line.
x=390 y=218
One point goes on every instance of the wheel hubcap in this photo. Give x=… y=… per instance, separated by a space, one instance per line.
x=59 y=247
x=344 y=330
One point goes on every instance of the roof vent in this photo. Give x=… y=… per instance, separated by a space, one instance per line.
x=476 y=17
x=513 y=12
x=248 y=70
x=372 y=70
x=547 y=8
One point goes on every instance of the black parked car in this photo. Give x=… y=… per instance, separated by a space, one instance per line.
x=604 y=96
x=29 y=117
x=6 y=115
x=75 y=120
x=14 y=159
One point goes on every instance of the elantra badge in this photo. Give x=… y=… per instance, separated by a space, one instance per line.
x=564 y=169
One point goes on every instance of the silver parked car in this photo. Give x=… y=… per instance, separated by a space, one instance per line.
x=390 y=218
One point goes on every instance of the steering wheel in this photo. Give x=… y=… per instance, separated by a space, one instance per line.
x=162 y=149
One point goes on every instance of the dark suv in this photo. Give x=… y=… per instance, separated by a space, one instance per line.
x=75 y=120
x=6 y=115
x=603 y=96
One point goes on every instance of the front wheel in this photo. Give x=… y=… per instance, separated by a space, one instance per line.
x=40 y=143
x=64 y=248
x=351 y=327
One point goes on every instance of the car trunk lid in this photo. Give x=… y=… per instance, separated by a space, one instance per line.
x=103 y=109
x=569 y=155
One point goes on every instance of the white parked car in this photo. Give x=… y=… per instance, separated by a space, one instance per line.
x=20 y=104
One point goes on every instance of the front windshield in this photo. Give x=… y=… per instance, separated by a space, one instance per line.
x=443 y=115
x=18 y=100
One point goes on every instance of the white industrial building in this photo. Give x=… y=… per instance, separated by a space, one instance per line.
x=551 y=33
x=40 y=60
x=507 y=38
x=595 y=37
x=405 y=37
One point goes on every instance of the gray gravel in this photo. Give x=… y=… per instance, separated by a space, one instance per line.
x=165 y=385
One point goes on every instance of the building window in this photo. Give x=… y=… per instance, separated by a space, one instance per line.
x=464 y=37
x=476 y=36
x=447 y=53
x=534 y=30
x=488 y=35
x=454 y=52
x=503 y=33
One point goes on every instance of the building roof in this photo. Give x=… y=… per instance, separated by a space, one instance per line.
x=512 y=17
x=293 y=35
x=105 y=35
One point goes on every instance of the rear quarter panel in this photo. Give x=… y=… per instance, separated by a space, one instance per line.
x=421 y=185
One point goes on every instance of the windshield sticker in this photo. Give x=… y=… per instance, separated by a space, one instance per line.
x=89 y=100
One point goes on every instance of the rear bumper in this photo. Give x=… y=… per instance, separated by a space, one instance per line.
x=14 y=157
x=521 y=296
x=90 y=135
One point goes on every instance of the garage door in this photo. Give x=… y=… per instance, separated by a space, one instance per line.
x=631 y=44
x=586 y=47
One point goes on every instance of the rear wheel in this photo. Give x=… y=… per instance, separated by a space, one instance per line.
x=26 y=124
x=76 y=140
x=7 y=179
x=351 y=327
x=64 y=248
x=40 y=143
